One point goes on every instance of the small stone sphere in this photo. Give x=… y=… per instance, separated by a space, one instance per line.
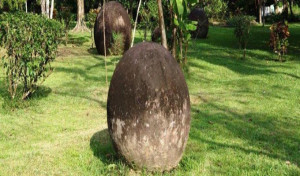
x=148 y=108
x=199 y=15
x=116 y=21
x=156 y=35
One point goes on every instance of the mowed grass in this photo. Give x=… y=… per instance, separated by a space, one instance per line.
x=245 y=113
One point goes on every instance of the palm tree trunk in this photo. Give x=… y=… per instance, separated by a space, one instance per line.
x=162 y=25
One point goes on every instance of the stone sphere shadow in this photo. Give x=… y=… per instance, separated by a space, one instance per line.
x=102 y=147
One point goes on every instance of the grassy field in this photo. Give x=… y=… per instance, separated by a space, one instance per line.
x=245 y=113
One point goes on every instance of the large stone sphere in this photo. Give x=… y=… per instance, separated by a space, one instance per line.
x=149 y=108
x=116 y=21
x=199 y=15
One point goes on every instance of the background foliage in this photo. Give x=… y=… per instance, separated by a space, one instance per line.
x=279 y=38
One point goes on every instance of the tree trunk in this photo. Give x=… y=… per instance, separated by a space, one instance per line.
x=180 y=44
x=285 y=10
x=52 y=8
x=43 y=7
x=174 y=33
x=291 y=2
x=145 y=33
x=47 y=8
x=162 y=25
x=264 y=12
x=185 y=52
x=104 y=43
x=174 y=42
x=26 y=6
x=137 y=15
x=80 y=26
x=259 y=13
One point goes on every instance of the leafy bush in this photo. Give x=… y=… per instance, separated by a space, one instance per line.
x=215 y=8
x=242 y=24
x=117 y=45
x=279 y=38
x=183 y=26
x=31 y=43
x=273 y=18
x=12 y=4
x=66 y=17
x=149 y=14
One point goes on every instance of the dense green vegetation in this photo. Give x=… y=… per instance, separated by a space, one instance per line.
x=31 y=42
x=245 y=113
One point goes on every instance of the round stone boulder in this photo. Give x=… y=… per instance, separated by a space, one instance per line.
x=148 y=108
x=199 y=15
x=117 y=21
x=156 y=35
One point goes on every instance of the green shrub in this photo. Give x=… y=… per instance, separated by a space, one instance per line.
x=65 y=16
x=216 y=9
x=242 y=25
x=117 y=44
x=273 y=18
x=149 y=15
x=31 y=43
x=279 y=38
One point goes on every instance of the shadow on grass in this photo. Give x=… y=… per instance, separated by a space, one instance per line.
x=10 y=104
x=78 y=40
x=245 y=67
x=261 y=134
x=223 y=38
x=102 y=147
x=93 y=51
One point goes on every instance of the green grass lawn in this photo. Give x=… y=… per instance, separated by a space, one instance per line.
x=245 y=113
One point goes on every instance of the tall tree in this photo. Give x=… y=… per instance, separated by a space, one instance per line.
x=162 y=24
x=80 y=26
x=291 y=3
x=26 y=6
x=264 y=12
x=47 y=8
x=51 y=9
x=43 y=7
x=259 y=5
x=285 y=11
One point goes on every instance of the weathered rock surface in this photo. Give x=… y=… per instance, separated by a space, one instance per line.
x=149 y=108
x=116 y=21
x=199 y=15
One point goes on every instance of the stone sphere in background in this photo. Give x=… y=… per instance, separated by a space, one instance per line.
x=148 y=108
x=117 y=21
x=156 y=35
x=199 y=15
